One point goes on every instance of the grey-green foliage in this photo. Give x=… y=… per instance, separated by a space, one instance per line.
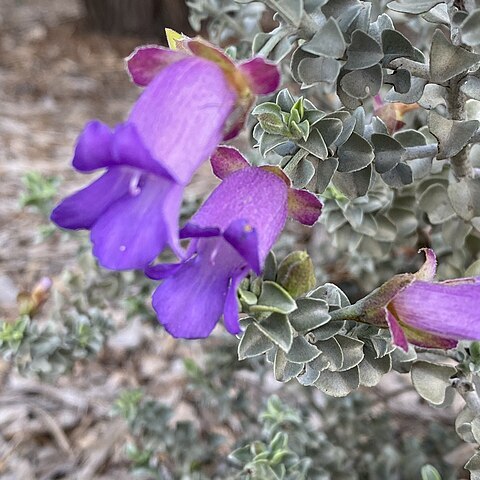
x=315 y=148
x=161 y=450
x=225 y=19
x=51 y=349
x=352 y=444
x=348 y=48
x=39 y=192
x=298 y=338
x=212 y=385
x=76 y=322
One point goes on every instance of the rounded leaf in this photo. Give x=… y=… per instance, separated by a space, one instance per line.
x=432 y=380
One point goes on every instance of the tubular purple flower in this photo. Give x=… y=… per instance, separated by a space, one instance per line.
x=435 y=314
x=247 y=78
x=231 y=233
x=132 y=209
x=420 y=311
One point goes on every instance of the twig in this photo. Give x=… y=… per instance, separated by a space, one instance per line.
x=420 y=151
x=54 y=428
x=456 y=100
x=469 y=393
x=5 y=373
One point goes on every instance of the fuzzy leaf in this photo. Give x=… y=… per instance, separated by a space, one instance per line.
x=303 y=173
x=352 y=349
x=465 y=198
x=388 y=152
x=283 y=369
x=328 y=41
x=325 y=170
x=330 y=129
x=277 y=328
x=372 y=369
x=302 y=351
x=354 y=184
x=401 y=79
x=314 y=145
x=447 y=60
x=452 y=135
x=413 y=95
x=318 y=70
x=436 y=204
x=253 y=343
x=331 y=351
x=413 y=6
x=363 y=52
x=274 y=298
x=399 y=176
x=363 y=83
x=311 y=313
x=356 y=153
x=471 y=87
x=470 y=29
x=327 y=331
x=432 y=380
x=395 y=45
x=338 y=384
x=332 y=294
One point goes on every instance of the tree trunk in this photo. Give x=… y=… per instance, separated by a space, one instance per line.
x=137 y=17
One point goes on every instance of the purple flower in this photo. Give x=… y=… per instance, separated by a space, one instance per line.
x=248 y=78
x=190 y=102
x=231 y=233
x=435 y=314
x=420 y=311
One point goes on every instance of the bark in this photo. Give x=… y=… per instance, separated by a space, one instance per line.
x=136 y=17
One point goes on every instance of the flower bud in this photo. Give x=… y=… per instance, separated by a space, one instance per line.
x=296 y=274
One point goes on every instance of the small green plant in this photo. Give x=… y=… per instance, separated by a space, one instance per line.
x=39 y=192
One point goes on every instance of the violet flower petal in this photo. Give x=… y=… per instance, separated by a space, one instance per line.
x=83 y=208
x=304 y=206
x=262 y=76
x=244 y=239
x=226 y=160
x=446 y=310
x=93 y=148
x=398 y=336
x=129 y=149
x=162 y=270
x=131 y=233
x=147 y=61
x=191 y=230
x=230 y=311
x=181 y=115
x=99 y=147
x=190 y=302
x=252 y=194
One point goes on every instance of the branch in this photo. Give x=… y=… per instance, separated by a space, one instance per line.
x=420 y=151
x=469 y=393
x=456 y=100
